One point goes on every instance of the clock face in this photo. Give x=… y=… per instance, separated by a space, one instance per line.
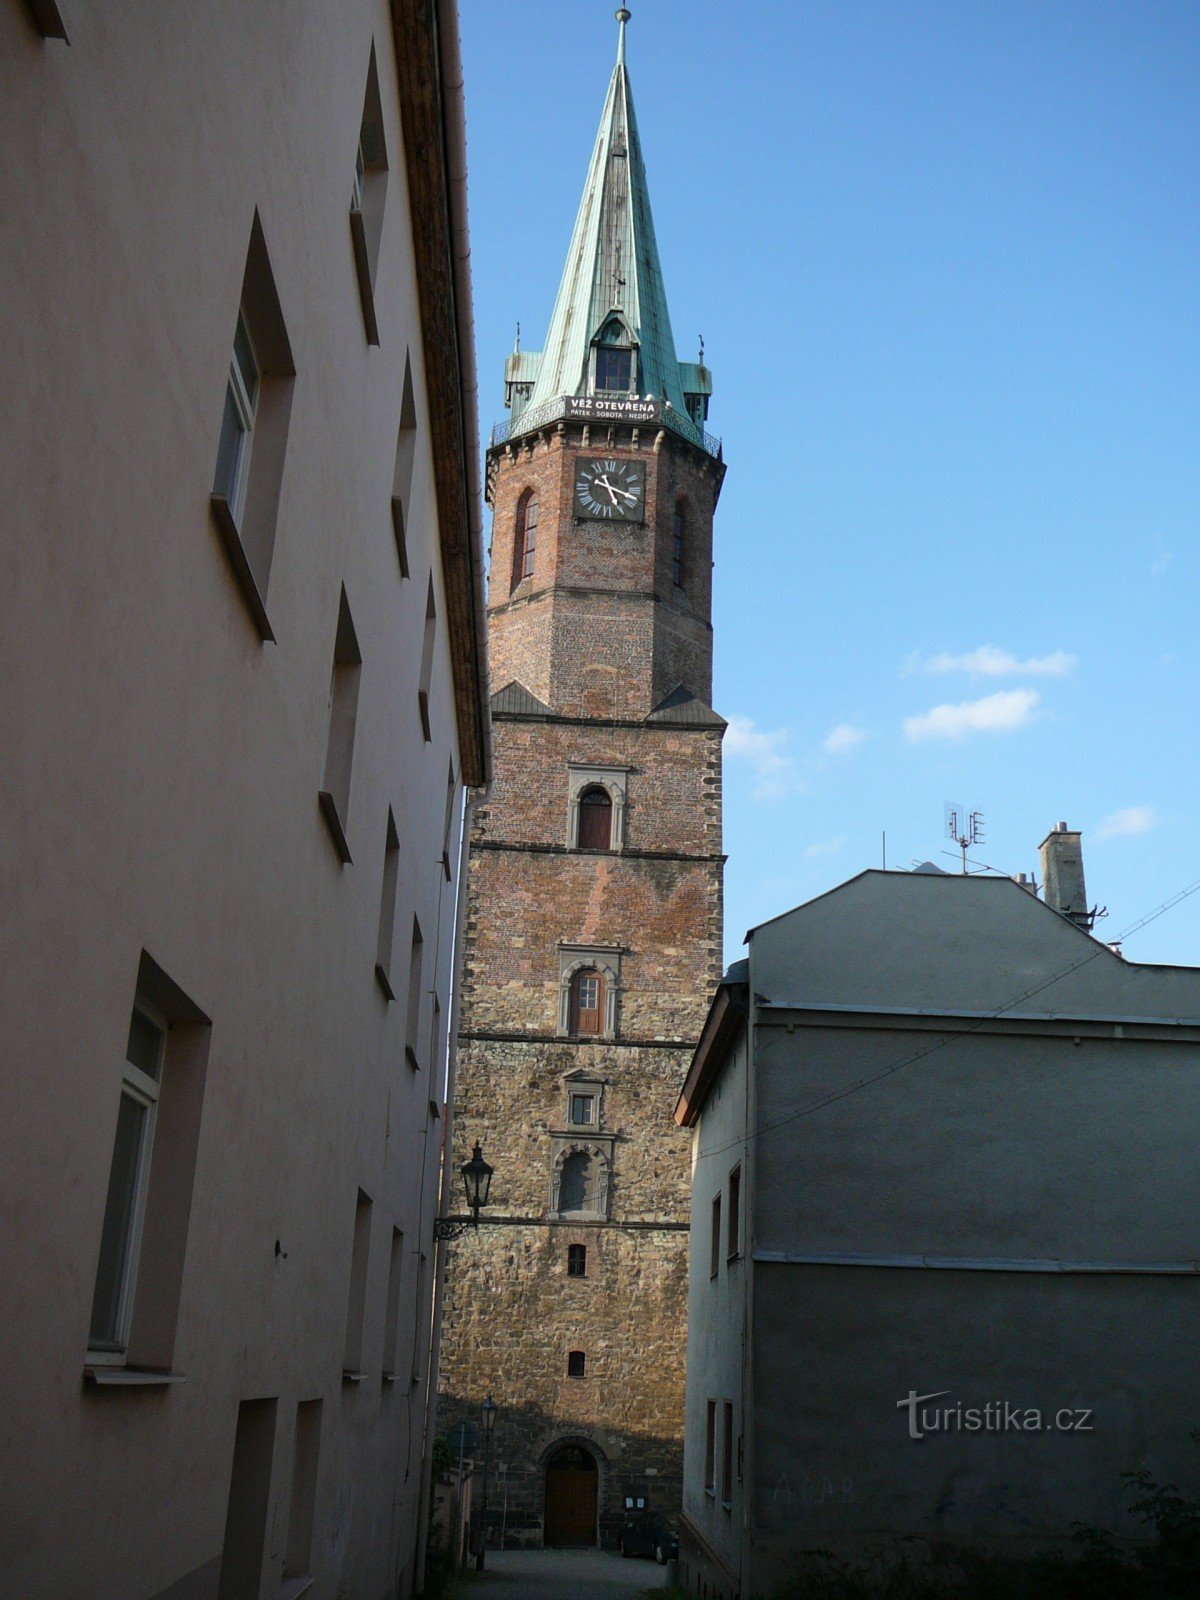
x=610 y=490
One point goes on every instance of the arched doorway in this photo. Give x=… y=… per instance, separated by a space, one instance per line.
x=571 y=1497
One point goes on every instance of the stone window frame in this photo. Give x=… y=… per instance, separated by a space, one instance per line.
x=599 y=1151
x=578 y=1083
x=604 y=959
x=615 y=782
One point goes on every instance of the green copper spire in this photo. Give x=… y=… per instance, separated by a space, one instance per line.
x=610 y=331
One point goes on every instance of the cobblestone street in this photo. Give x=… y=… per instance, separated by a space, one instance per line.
x=564 y=1575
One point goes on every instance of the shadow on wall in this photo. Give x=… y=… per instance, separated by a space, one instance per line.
x=555 y=1479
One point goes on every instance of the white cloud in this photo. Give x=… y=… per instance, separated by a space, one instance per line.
x=825 y=847
x=842 y=739
x=774 y=770
x=1132 y=819
x=1162 y=557
x=988 y=661
x=1004 y=712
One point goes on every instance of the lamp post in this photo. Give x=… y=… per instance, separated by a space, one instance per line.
x=477 y=1180
x=488 y=1409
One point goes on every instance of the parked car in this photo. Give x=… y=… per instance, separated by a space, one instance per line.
x=649 y=1533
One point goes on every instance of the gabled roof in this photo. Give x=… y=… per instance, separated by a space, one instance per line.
x=612 y=265
x=681 y=706
x=515 y=700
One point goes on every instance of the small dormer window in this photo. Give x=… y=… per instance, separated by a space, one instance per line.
x=612 y=359
x=613 y=368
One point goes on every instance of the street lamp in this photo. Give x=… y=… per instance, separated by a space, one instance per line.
x=477 y=1179
x=488 y=1410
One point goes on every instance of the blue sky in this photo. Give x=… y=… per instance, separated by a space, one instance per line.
x=946 y=262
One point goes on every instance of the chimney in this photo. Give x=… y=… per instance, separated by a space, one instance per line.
x=1062 y=875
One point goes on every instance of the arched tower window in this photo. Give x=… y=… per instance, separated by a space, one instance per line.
x=524 y=537
x=587 y=1001
x=577 y=1186
x=595 y=819
x=677 y=542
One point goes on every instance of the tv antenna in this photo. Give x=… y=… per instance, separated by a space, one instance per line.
x=964 y=827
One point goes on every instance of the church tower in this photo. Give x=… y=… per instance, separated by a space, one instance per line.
x=593 y=936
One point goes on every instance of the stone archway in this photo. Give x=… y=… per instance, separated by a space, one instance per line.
x=572 y=1497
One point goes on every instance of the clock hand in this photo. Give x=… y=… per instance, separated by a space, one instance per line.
x=614 y=492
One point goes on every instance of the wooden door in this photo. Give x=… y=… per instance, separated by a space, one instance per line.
x=571 y=1480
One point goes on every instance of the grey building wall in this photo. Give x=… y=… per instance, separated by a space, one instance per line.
x=163 y=834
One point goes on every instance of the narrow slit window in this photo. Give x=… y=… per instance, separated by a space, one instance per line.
x=244 y=1549
x=297 y=1560
x=416 y=959
x=710 y=1447
x=525 y=537
x=357 y=1306
x=368 y=191
x=391 y=1325
x=735 y=1209
x=714 y=1255
x=427 y=646
x=387 y=907
x=334 y=794
x=727 y=1456
x=402 y=474
x=576 y=1364
x=576 y=1261
x=237 y=422
x=677 y=545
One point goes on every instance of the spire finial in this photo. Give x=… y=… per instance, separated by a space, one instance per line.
x=622 y=16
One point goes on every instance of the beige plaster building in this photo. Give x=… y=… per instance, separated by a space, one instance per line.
x=944 y=1178
x=244 y=688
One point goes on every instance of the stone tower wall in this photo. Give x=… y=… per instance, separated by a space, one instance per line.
x=600 y=635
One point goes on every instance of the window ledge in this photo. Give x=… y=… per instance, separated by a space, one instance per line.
x=710 y=1492
x=384 y=981
x=731 y=1259
x=362 y=268
x=390 y=1377
x=333 y=822
x=350 y=1376
x=130 y=1377
x=292 y=1588
x=727 y=1507
x=232 y=540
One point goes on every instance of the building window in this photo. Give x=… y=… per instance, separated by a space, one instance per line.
x=367 y=193
x=427 y=646
x=143 y=1235
x=524 y=538
x=614 y=369
x=357 y=1305
x=714 y=1253
x=710 y=1448
x=237 y=422
x=253 y=437
x=412 y=1031
x=402 y=473
x=595 y=819
x=677 y=545
x=334 y=794
x=577 y=1185
x=387 y=907
x=576 y=1361
x=727 y=1458
x=128 y=1179
x=241 y=1568
x=734 y=1245
x=576 y=1261
x=583 y=1110
x=587 y=1002
x=297 y=1559
x=391 y=1318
